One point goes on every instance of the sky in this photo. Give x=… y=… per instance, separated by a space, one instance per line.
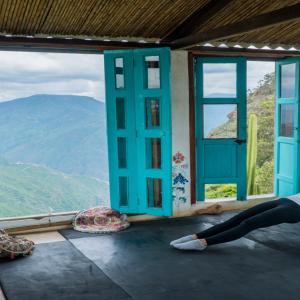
x=24 y=74
x=220 y=79
x=256 y=71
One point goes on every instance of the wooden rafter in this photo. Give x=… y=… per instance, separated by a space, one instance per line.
x=276 y=17
x=194 y=22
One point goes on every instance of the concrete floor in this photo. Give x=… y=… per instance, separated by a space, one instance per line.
x=40 y=238
x=263 y=265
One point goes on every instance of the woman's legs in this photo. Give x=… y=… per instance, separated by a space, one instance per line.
x=237 y=219
x=232 y=222
x=288 y=212
x=264 y=215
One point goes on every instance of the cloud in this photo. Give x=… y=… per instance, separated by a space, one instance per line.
x=256 y=70
x=28 y=73
x=220 y=79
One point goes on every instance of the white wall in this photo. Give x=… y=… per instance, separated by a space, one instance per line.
x=180 y=131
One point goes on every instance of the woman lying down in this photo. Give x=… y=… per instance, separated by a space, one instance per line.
x=282 y=210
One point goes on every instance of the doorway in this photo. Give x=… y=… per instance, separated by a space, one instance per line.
x=221 y=128
x=262 y=163
x=261 y=127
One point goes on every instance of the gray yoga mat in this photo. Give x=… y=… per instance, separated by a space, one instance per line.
x=57 y=271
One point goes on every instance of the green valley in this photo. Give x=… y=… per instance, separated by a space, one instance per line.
x=27 y=189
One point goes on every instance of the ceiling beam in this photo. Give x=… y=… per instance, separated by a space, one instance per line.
x=194 y=22
x=67 y=45
x=255 y=54
x=276 y=17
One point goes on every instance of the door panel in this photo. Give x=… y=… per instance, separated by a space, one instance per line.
x=120 y=108
x=225 y=159
x=153 y=124
x=139 y=130
x=221 y=123
x=286 y=128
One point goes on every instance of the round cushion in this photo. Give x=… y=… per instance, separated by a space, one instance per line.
x=100 y=220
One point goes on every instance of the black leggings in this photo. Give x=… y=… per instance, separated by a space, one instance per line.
x=262 y=215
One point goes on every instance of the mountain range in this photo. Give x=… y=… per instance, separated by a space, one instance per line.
x=53 y=154
x=63 y=132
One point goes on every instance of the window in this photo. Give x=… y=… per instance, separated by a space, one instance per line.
x=288 y=80
x=122 y=152
x=287 y=120
x=220 y=121
x=152 y=113
x=123 y=191
x=120 y=113
x=153 y=153
x=154 y=192
x=152 y=76
x=119 y=71
x=219 y=80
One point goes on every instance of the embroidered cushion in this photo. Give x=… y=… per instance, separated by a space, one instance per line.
x=100 y=220
x=11 y=246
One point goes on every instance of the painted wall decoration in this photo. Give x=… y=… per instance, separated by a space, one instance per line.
x=179 y=175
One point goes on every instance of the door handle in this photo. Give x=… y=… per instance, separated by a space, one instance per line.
x=240 y=141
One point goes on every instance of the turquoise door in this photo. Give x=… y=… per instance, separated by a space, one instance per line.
x=139 y=130
x=221 y=122
x=286 y=127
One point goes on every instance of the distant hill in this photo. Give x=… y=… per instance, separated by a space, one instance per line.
x=27 y=189
x=62 y=132
x=220 y=95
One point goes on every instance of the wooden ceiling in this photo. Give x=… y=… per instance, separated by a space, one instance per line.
x=97 y=18
x=176 y=23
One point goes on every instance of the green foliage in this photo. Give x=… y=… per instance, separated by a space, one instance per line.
x=264 y=177
x=213 y=191
x=252 y=188
x=27 y=189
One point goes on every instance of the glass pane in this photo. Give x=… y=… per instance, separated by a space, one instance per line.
x=122 y=152
x=152 y=112
x=225 y=191
x=123 y=191
x=154 y=192
x=120 y=115
x=288 y=80
x=219 y=80
x=220 y=121
x=152 y=72
x=153 y=153
x=286 y=120
x=119 y=71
